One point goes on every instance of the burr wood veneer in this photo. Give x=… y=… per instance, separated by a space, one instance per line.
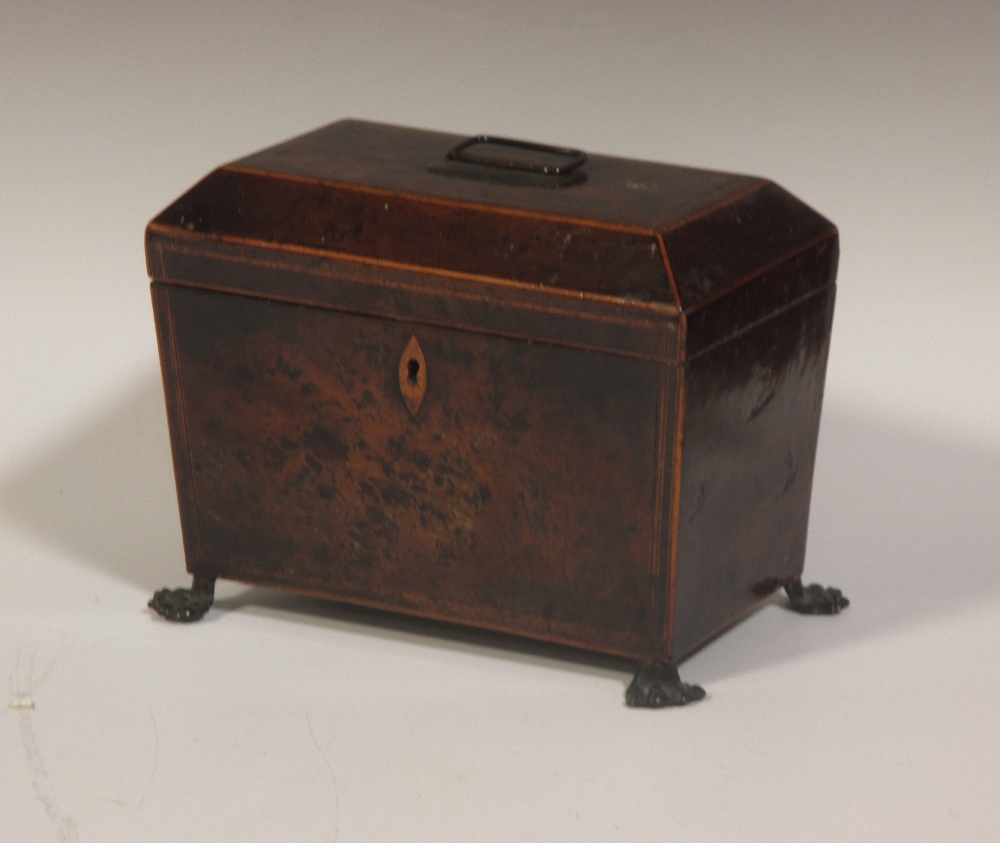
x=502 y=385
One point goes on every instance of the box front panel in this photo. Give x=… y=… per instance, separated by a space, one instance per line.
x=519 y=496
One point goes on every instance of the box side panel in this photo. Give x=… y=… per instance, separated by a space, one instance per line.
x=176 y=422
x=519 y=497
x=751 y=421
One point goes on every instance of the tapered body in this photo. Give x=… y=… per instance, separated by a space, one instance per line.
x=574 y=403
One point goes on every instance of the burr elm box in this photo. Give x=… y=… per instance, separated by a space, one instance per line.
x=511 y=386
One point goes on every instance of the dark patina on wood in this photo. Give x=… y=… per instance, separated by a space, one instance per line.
x=573 y=398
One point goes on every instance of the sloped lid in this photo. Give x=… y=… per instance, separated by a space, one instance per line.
x=625 y=229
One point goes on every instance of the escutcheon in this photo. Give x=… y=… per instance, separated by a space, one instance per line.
x=413 y=376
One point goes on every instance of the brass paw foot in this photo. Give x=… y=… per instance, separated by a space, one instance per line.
x=656 y=685
x=814 y=599
x=185 y=605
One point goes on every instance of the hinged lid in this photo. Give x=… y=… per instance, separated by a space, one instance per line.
x=635 y=232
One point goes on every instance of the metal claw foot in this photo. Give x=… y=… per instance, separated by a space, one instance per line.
x=656 y=685
x=185 y=605
x=814 y=599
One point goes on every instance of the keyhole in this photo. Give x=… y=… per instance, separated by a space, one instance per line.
x=412 y=375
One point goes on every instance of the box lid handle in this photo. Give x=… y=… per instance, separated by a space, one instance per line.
x=507 y=154
x=506 y=161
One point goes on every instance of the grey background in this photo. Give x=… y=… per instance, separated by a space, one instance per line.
x=285 y=718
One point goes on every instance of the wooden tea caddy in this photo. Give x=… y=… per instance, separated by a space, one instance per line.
x=515 y=387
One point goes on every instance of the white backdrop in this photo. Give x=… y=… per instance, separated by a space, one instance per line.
x=285 y=718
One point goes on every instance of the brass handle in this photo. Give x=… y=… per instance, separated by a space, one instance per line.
x=413 y=376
